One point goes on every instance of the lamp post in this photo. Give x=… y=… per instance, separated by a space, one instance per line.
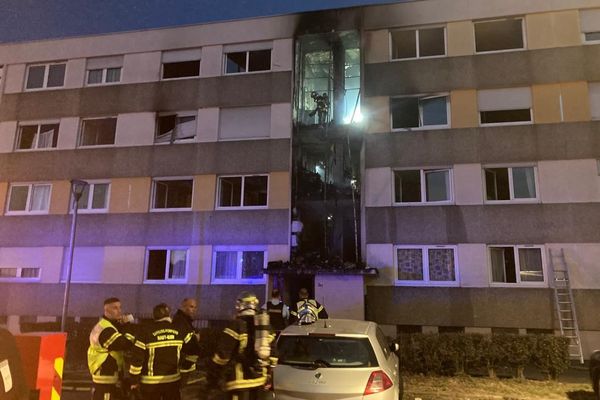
x=77 y=188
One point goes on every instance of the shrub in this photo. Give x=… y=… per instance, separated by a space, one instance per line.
x=551 y=355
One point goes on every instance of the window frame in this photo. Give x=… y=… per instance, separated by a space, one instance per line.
x=170 y=178
x=422 y=175
x=166 y=280
x=240 y=250
x=27 y=210
x=425 y=260
x=46 y=75
x=523 y=35
x=103 y=82
x=88 y=210
x=519 y=283
x=247 y=62
x=18 y=278
x=95 y=146
x=39 y=124
x=420 y=107
x=512 y=199
x=416 y=29
x=178 y=114
x=530 y=122
x=218 y=206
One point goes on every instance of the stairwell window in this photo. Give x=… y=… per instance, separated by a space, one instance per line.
x=28 y=198
x=418 y=43
x=499 y=35
x=590 y=25
x=45 y=76
x=517 y=264
x=243 y=191
x=98 y=131
x=420 y=112
x=172 y=194
x=239 y=264
x=515 y=184
x=166 y=265
x=505 y=106
x=426 y=265
x=175 y=127
x=37 y=136
x=181 y=63
x=422 y=186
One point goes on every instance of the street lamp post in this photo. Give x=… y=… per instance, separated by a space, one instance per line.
x=77 y=188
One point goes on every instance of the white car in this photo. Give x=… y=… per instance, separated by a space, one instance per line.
x=336 y=359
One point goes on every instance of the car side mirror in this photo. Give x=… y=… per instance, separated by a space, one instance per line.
x=394 y=347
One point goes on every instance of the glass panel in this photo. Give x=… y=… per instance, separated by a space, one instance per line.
x=165 y=128
x=181 y=69
x=441 y=265
x=592 y=36
x=185 y=127
x=35 y=77
x=530 y=265
x=499 y=35
x=503 y=264
x=407 y=186
x=40 y=197
x=30 y=272
x=523 y=183
x=431 y=42
x=94 y=76
x=8 y=272
x=98 y=132
x=255 y=191
x=100 y=197
x=404 y=44
x=496 y=184
x=326 y=352
x=437 y=183
x=230 y=191
x=173 y=194
x=27 y=137
x=83 y=202
x=253 y=263
x=235 y=62
x=505 y=116
x=410 y=264
x=260 y=60
x=48 y=137
x=56 y=75
x=226 y=265
x=113 y=74
x=177 y=264
x=157 y=261
x=18 y=198
x=433 y=111
x=405 y=112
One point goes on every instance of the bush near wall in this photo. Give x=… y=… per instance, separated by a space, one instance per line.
x=458 y=353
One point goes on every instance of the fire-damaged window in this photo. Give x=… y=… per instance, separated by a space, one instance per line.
x=166 y=265
x=238 y=264
x=431 y=265
x=247 y=61
x=174 y=127
x=422 y=186
x=172 y=194
x=243 y=191
x=517 y=264
x=427 y=112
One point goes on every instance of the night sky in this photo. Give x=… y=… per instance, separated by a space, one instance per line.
x=24 y=20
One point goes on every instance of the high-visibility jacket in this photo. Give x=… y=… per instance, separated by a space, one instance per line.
x=317 y=309
x=105 y=354
x=157 y=351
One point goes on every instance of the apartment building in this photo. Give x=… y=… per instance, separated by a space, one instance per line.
x=424 y=164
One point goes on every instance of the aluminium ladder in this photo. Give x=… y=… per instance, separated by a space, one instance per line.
x=565 y=307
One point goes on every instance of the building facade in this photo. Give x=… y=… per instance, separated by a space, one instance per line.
x=424 y=164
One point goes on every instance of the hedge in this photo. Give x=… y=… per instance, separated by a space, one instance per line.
x=457 y=353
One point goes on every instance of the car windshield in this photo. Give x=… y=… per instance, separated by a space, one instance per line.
x=326 y=352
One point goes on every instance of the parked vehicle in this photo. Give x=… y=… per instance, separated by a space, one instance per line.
x=336 y=359
x=595 y=372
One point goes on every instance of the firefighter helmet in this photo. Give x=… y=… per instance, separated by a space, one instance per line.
x=246 y=303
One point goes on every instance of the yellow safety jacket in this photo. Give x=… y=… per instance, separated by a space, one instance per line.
x=105 y=354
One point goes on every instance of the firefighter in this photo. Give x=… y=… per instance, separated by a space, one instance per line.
x=108 y=341
x=307 y=310
x=238 y=368
x=156 y=355
x=278 y=311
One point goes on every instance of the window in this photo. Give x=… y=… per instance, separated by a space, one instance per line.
x=169 y=194
x=104 y=70
x=422 y=186
x=504 y=106
x=238 y=123
x=98 y=131
x=498 y=35
x=174 y=127
x=594 y=90
x=433 y=265
x=243 y=191
x=166 y=265
x=419 y=112
x=590 y=25
x=31 y=198
x=94 y=197
x=19 y=273
x=45 y=76
x=180 y=64
x=418 y=43
x=88 y=264
x=517 y=264
x=510 y=183
x=247 y=61
x=239 y=265
x=38 y=136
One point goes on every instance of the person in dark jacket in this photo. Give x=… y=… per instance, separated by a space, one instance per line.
x=184 y=319
x=12 y=379
x=156 y=355
x=307 y=310
x=278 y=311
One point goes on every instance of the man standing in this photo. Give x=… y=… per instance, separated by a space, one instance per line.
x=156 y=355
x=184 y=316
x=108 y=342
x=307 y=310
x=278 y=311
